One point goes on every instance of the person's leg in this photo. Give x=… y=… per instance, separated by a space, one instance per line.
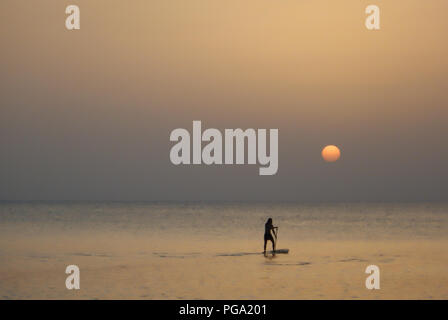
x=265 y=242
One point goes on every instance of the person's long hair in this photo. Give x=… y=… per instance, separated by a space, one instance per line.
x=269 y=221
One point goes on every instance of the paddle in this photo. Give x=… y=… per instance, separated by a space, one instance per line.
x=276 y=235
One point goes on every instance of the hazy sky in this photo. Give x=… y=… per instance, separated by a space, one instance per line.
x=86 y=115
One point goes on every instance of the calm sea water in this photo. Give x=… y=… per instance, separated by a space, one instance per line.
x=236 y=220
x=213 y=251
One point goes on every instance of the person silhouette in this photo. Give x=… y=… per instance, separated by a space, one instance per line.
x=268 y=235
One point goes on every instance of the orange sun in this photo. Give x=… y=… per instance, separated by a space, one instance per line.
x=331 y=153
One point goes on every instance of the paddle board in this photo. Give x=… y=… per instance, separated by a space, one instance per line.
x=278 y=251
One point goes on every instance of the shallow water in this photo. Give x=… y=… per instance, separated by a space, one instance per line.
x=185 y=250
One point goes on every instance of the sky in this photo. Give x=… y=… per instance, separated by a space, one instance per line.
x=87 y=114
